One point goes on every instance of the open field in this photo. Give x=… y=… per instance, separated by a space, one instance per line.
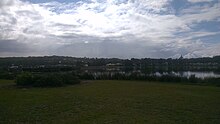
x=111 y=102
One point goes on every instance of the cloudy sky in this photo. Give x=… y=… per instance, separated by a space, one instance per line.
x=110 y=28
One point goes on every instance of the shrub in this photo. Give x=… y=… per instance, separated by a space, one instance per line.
x=7 y=75
x=46 y=79
x=69 y=78
x=87 y=76
x=193 y=79
x=24 y=79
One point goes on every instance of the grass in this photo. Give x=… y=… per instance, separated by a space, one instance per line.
x=111 y=102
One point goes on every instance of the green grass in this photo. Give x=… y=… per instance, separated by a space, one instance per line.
x=111 y=102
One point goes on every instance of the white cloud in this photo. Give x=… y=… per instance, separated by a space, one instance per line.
x=196 y=14
x=147 y=23
x=198 y=1
x=4 y=3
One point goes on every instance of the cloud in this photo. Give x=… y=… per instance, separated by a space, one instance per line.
x=13 y=48
x=109 y=28
x=198 y=1
x=196 y=14
x=109 y=49
x=4 y=3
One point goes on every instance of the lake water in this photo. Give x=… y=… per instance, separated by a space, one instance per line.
x=187 y=74
x=201 y=75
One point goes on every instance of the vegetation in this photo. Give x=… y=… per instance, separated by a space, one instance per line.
x=51 y=70
x=7 y=75
x=111 y=102
x=46 y=79
x=136 y=100
x=62 y=63
x=164 y=78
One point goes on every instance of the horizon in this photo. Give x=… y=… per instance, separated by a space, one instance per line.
x=121 y=29
x=101 y=57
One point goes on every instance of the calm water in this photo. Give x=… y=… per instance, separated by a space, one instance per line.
x=187 y=74
x=201 y=75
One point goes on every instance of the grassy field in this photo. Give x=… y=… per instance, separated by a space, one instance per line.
x=101 y=102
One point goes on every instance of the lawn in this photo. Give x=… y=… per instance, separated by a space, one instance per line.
x=101 y=102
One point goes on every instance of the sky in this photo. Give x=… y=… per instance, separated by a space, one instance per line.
x=110 y=28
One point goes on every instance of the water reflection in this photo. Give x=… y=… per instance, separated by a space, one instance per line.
x=187 y=74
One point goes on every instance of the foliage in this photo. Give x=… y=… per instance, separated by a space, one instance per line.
x=69 y=79
x=24 y=79
x=42 y=80
x=193 y=79
x=63 y=63
x=46 y=79
x=164 y=78
x=6 y=75
x=87 y=76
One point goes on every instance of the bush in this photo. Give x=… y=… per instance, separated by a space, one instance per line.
x=212 y=81
x=87 y=76
x=24 y=79
x=7 y=75
x=46 y=79
x=193 y=79
x=70 y=79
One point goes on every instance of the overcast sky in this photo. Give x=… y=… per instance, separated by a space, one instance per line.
x=110 y=28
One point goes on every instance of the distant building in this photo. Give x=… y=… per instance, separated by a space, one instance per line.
x=181 y=57
x=13 y=67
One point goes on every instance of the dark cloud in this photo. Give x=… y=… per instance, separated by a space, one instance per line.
x=12 y=46
x=110 y=49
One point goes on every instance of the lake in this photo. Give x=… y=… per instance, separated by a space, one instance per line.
x=201 y=75
x=187 y=74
